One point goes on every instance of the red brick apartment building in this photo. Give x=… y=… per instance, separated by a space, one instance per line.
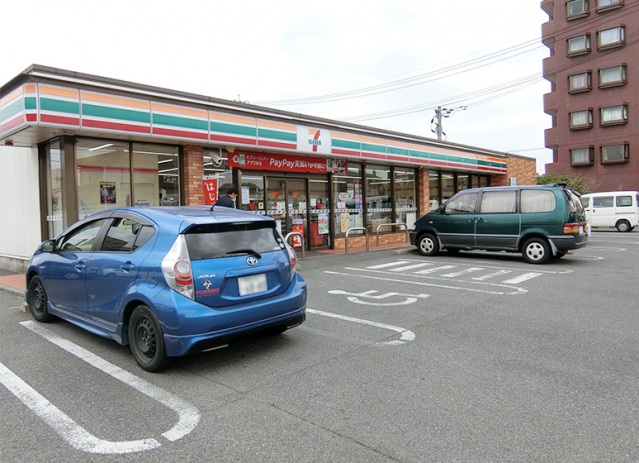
x=593 y=69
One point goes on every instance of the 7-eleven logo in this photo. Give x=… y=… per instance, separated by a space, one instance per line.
x=313 y=140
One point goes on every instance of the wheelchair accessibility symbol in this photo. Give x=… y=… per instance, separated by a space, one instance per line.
x=372 y=298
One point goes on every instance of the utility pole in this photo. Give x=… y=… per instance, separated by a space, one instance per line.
x=437 y=120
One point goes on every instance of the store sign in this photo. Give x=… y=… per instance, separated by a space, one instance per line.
x=311 y=140
x=286 y=163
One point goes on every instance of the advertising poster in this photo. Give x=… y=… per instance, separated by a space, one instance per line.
x=107 y=192
x=322 y=224
x=345 y=219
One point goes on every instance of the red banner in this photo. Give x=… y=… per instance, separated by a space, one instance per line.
x=287 y=163
x=210 y=191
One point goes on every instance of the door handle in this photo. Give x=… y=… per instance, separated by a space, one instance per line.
x=81 y=265
x=127 y=266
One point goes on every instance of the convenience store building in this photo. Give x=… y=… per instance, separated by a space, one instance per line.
x=72 y=144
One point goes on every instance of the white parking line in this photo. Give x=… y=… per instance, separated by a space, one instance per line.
x=406 y=335
x=520 y=278
x=78 y=437
x=75 y=435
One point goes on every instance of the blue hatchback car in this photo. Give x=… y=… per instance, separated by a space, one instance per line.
x=168 y=281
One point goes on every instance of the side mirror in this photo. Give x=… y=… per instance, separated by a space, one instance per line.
x=47 y=246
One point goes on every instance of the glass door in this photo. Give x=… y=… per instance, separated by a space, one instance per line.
x=276 y=203
x=297 y=207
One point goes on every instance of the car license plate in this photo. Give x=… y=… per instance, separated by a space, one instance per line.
x=252 y=284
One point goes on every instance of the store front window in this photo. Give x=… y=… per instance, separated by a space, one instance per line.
x=378 y=197
x=156 y=175
x=113 y=173
x=348 y=201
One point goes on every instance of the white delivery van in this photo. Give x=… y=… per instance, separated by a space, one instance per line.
x=618 y=209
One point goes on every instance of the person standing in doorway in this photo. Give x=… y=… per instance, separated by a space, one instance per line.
x=229 y=199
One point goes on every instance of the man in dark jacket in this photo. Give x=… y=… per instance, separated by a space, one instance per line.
x=229 y=199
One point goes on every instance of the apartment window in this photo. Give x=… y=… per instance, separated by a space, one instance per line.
x=615 y=153
x=582 y=156
x=610 y=38
x=581 y=82
x=605 y=5
x=579 y=45
x=613 y=115
x=581 y=119
x=611 y=77
x=576 y=9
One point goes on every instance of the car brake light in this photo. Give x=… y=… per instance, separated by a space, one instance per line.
x=176 y=267
x=574 y=228
x=183 y=275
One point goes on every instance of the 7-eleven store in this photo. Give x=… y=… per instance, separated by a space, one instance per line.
x=92 y=143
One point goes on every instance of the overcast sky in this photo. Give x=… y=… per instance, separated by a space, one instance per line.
x=385 y=64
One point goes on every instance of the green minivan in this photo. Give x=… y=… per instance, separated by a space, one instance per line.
x=539 y=221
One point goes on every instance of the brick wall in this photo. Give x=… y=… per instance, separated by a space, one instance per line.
x=523 y=169
x=193 y=175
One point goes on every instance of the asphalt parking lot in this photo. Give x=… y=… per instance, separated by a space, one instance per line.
x=477 y=357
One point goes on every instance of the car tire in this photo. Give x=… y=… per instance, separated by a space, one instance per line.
x=623 y=226
x=146 y=340
x=428 y=245
x=536 y=251
x=38 y=300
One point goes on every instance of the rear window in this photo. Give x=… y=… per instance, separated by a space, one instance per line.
x=537 y=201
x=211 y=241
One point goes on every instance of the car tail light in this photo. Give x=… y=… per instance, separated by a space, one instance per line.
x=574 y=228
x=176 y=267
x=292 y=257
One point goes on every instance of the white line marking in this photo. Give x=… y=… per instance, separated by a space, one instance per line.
x=514 y=290
x=409 y=267
x=188 y=415
x=435 y=269
x=406 y=335
x=492 y=275
x=77 y=437
x=355 y=297
x=389 y=264
x=463 y=272
x=520 y=278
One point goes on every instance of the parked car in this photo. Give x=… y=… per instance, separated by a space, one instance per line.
x=539 y=221
x=168 y=281
x=619 y=209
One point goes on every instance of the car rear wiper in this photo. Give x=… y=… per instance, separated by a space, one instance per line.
x=245 y=251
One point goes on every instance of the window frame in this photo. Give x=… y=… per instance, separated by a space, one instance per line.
x=584 y=11
x=573 y=77
x=620 y=42
x=613 y=5
x=590 y=150
x=613 y=108
x=613 y=83
x=625 y=154
x=587 y=125
x=581 y=51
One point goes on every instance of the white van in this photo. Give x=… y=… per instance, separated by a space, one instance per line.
x=618 y=209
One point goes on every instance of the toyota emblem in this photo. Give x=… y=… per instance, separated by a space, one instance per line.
x=251 y=260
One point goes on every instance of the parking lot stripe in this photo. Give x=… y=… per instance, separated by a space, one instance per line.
x=78 y=437
x=406 y=335
x=520 y=278
x=188 y=415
